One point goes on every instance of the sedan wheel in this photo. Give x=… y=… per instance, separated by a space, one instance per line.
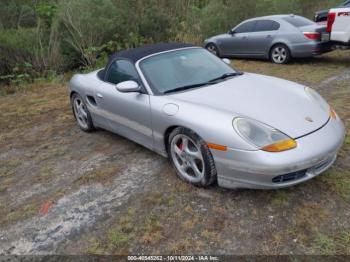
x=213 y=49
x=280 y=54
x=191 y=157
x=81 y=113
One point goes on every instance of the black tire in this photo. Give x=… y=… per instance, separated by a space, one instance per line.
x=210 y=173
x=89 y=127
x=212 y=48
x=285 y=54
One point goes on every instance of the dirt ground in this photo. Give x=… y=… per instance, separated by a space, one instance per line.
x=63 y=191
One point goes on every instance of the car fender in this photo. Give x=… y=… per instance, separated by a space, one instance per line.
x=212 y=125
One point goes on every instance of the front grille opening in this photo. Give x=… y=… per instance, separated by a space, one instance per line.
x=289 y=177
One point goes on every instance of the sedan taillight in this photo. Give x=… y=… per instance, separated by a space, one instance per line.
x=330 y=21
x=312 y=35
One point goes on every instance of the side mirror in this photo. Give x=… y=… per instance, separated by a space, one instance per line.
x=226 y=61
x=231 y=32
x=128 y=87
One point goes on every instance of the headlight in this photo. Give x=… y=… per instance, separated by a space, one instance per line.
x=313 y=95
x=263 y=136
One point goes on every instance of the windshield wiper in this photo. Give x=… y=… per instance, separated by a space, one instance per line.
x=182 y=88
x=224 y=76
x=210 y=82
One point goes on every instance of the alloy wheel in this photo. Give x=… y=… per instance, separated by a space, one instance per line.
x=279 y=55
x=80 y=112
x=187 y=158
x=212 y=49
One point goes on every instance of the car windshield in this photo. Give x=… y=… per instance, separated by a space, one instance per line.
x=183 y=69
x=298 y=21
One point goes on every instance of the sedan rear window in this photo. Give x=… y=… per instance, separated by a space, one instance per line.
x=298 y=21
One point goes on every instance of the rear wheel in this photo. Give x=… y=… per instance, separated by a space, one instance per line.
x=212 y=48
x=191 y=157
x=280 y=54
x=81 y=113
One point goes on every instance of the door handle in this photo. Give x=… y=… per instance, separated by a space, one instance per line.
x=268 y=36
x=99 y=95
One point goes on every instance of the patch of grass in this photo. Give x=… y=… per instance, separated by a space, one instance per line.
x=189 y=224
x=180 y=247
x=102 y=174
x=346 y=147
x=280 y=198
x=152 y=230
x=324 y=244
x=160 y=199
x=117 y=238
x=8 y=167
x=343 y=242
x=209 y=235
x=6 y=183
x=339 y=180
x=307 y=220
x=49 y=151
x=22 y=213
x=94 y=247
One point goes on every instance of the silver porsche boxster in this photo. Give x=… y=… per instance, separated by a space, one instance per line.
x=215 y=123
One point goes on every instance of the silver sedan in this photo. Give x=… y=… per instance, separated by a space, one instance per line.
x=278 y=38
x=216 y=124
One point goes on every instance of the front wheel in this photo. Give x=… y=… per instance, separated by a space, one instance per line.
x=191 y=157
x=212 y=48
x=280 y=54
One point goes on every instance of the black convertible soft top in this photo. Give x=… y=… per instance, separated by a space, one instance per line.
x=135 y=54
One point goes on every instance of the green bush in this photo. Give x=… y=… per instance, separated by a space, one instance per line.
x=16 y=46
x=59 y=35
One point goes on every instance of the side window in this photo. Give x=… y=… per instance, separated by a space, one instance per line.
x=275 y=25
x=266 y=25
x=120 y=71
x=245 y=27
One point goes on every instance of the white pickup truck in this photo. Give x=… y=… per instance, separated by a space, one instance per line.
x=338 y=25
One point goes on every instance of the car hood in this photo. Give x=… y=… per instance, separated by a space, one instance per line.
x=217 y=37
x=279 y=103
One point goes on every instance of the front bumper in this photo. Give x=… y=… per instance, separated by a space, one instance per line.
x=258 y=169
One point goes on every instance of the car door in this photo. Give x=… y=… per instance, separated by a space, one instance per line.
x=261 y=39
x=128 y=114
x=237 y=41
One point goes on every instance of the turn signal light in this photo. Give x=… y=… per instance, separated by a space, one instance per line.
x=217 y=147
x=280 y=146
x=332 y=113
